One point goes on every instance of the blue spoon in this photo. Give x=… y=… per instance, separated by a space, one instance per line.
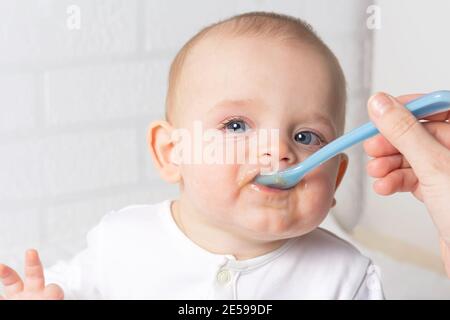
x=424 y=106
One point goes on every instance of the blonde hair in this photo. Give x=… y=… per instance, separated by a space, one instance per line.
x=268 y=24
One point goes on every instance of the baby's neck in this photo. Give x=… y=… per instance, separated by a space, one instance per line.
x=215 y=238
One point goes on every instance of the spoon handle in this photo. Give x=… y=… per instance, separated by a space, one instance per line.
x=427 y=105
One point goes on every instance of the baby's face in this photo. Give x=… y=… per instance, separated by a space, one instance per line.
x=238 y=87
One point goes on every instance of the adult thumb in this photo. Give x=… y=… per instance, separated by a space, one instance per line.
x=401 y=128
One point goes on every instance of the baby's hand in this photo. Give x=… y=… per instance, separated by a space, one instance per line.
x=33 y=288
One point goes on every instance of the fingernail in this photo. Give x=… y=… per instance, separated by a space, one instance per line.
x=379 y=103
x=31 y=252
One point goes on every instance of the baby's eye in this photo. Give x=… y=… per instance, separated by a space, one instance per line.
x=308 y=138
x=236 y=126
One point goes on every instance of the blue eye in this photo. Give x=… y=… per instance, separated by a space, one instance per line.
x=307 y=138
x=236 y=126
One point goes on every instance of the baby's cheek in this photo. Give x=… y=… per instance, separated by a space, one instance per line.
x=314 y=196
x=317 y=196
x=210 y=185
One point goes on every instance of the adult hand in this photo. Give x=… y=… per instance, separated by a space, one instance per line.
x=412 y=156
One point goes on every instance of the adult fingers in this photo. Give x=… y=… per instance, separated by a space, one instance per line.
x=401 y=180
x=379 y=146
x=403 y=130
x=380 y=167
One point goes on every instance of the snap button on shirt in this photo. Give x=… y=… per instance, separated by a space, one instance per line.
x=223 y=276
x=225 y=282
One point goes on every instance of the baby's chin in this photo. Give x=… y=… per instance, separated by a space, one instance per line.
x=279 y=216
x=277 y=224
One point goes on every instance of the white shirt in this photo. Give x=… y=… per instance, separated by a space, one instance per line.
x=140 y=253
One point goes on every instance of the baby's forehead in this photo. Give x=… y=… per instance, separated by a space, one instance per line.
x=216 y=50
x=222 y=42
x=220 y=56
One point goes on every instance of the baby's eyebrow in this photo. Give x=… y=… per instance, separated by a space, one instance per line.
x=324 y=119
x=235 y=102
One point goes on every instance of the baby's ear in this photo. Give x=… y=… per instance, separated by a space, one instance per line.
x=159 y=139
x=343 y=164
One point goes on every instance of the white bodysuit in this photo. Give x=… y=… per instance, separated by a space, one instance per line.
x=140 y=253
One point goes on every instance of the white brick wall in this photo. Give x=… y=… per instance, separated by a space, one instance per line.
x=18 y=94
x=100 y=93
x=74 y=105
x=169 y=24
x=35 y=31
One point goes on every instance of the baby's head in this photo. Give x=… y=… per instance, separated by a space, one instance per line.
x=253 y=72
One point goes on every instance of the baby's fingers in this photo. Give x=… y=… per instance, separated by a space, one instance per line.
x=53 y=292
x=34 y=274
x=11 y=280
x=401 y=180
x=380 y=167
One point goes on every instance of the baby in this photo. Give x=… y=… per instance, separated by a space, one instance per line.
x=227 y=237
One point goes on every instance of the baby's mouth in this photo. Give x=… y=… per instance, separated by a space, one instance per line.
x=248 y=178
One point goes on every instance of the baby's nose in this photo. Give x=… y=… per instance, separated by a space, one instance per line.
x=279 y=156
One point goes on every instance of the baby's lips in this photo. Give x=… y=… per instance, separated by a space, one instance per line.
x=262 y=168
x=248 y=176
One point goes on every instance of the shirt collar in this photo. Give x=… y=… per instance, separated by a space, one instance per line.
x=227 y=260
